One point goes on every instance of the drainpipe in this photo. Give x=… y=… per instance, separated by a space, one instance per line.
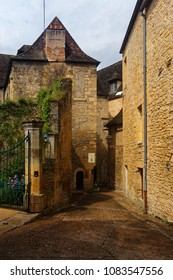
x=143 y=13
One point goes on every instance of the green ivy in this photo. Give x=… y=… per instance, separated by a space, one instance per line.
x=44 y=98
x=12 y=114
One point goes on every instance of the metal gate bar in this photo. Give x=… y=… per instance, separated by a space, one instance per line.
x=12 y=175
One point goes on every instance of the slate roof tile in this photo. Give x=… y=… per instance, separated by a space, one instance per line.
x=105 y=75
x=4 y=66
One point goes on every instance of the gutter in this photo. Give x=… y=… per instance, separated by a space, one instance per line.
x=140 y=5
x=143 y=14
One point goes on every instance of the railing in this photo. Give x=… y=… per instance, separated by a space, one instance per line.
x=12 y=175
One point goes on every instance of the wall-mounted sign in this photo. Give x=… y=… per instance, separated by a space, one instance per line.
x=91 y=157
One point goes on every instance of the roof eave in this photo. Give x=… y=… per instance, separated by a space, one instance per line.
x=83 y=61
x=140 y=5
x=29 y=59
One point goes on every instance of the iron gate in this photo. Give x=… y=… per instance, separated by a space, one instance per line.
x=14 y=191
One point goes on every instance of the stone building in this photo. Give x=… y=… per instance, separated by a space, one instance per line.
x=147 y=107
x=4 y=66
x=54 y=55
x=109 y=126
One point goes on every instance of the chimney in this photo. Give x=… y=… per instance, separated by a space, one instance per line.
x=55 y=42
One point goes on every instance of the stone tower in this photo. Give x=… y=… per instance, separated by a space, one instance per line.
x=53 y=55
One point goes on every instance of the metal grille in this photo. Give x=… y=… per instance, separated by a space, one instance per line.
x=12 y=174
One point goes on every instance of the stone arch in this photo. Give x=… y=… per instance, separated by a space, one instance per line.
x=79 y=179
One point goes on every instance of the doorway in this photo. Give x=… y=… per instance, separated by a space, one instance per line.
x=79 y=180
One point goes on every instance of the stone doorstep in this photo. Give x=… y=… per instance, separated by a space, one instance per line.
x=21 y=218
x=16 y=220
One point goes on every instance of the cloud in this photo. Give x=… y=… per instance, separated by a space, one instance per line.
x=97 y=26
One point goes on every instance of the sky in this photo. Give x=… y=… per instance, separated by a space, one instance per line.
x=98 y=26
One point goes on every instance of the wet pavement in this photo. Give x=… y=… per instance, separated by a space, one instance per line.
x=98 y=225
x=11 y=218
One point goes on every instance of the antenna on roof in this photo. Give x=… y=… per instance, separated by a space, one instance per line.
x=44 y=12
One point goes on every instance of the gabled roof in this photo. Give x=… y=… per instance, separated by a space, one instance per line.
x=140 y=5
x=105 y=75
x=73 y=53
x=4 y=66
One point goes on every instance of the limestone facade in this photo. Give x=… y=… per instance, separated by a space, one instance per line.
x=159 y=76
x=56 y=55
x=84 y=110
x=109 y=105
x=132 y=100
x=102 y=147
x=48 y=161
x=160 y=114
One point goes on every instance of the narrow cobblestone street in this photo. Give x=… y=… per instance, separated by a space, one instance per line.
x=98 y=225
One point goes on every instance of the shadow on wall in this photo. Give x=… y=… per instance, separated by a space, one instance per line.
x=102 y=163
x=78 y=171
x=79 y=180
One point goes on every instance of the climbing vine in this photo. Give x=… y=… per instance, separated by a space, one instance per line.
x=12 y=114
x=44 y=98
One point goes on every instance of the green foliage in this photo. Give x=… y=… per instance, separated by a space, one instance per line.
x=22 y=101
x=11 y=196
x=12 y=114
x=44 y=97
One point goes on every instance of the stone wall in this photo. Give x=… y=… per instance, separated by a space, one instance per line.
x=119 y=159
x=114 y=106
x=84 y=108
x=132 y=100
x=102 y=147
x=57 y=165
x=63 y=158
x=28 y=77
x=159 y=110
x=109 y=157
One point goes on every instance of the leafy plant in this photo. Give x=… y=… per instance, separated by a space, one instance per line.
x=12 y=114
x=44 y=98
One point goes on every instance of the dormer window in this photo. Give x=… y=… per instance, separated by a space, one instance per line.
x=113 y=87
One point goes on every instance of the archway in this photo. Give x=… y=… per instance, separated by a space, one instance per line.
x=79 y=180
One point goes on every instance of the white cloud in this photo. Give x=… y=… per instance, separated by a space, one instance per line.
x=97 y=26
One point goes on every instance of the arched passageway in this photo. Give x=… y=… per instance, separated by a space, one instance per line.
x=79 y=180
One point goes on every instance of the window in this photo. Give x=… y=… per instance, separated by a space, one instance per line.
x=140 y=170
x=113 y=87
x=139 y=125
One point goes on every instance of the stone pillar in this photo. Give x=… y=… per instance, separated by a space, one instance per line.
x=34 y=128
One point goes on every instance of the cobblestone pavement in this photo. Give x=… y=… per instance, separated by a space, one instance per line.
x=98 y=225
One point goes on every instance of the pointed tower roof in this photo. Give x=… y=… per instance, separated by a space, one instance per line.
x=73 y=52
